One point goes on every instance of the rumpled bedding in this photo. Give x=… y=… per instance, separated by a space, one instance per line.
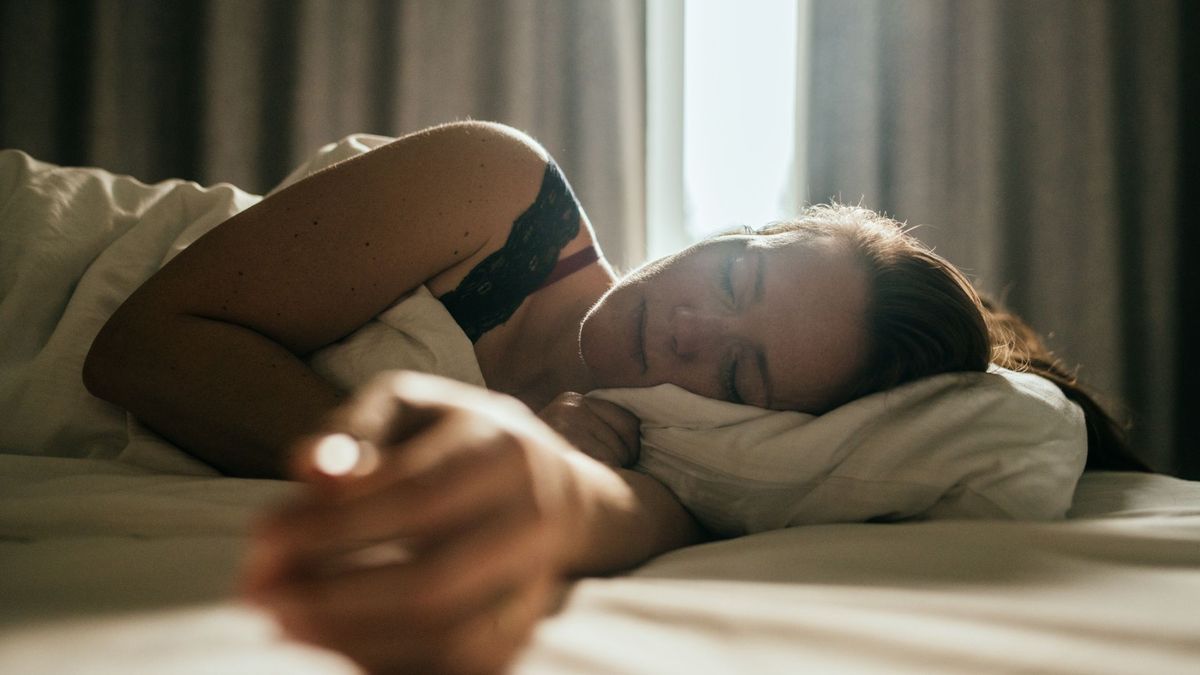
x=118 y=553
x=76 y=242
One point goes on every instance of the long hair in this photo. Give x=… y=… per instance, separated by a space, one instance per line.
x=925 y=318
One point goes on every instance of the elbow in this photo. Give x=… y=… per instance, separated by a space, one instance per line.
x=108 y=367
x=101 y=366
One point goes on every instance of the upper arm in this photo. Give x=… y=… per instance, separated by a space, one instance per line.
x=315 y=261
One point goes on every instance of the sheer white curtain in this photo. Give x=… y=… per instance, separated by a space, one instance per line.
x=726 y=81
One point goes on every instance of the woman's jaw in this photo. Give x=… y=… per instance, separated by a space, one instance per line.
x=612 y=335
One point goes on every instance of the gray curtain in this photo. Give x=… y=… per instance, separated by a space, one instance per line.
x=242 y=90
x=1037 y=145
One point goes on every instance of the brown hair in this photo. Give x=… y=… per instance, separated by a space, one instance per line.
x=925 y=318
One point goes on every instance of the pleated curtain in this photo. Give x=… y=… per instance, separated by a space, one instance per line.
x=1035 y=144
x=243 y=90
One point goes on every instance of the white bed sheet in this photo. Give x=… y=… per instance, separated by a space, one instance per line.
x=109 y=569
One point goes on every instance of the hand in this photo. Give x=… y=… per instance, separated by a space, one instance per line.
x=605 y=431
x=434 y=543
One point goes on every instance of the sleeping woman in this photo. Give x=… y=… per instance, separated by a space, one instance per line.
x=497 y=494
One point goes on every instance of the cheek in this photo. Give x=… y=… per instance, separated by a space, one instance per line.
x=605 y=339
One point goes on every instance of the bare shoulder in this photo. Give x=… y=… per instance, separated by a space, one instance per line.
x=481 y=173
x=481 y=162
x=484 y=140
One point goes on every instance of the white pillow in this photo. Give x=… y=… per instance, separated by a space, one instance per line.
x=960 y=445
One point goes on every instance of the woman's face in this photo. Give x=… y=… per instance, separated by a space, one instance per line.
x=776 y=321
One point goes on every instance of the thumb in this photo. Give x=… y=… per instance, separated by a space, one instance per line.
x=350 y=440
x=625 y=424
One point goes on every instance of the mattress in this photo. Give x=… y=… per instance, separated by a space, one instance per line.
x=135 y=572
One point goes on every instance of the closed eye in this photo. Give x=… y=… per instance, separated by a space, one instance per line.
x=729 y=382
x=737 y=253
x=727 y=276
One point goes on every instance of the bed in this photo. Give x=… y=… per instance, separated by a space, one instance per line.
x=118 y=554
x=108 y=569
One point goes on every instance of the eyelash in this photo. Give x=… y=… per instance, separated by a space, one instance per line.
x=727 y=276
x=730 y=379
x=729 y=373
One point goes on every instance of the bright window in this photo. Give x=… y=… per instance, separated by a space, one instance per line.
x=725 y=86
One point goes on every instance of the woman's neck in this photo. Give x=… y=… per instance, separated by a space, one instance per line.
x=535 y=357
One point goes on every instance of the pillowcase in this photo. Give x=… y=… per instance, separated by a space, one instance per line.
x=999 y=444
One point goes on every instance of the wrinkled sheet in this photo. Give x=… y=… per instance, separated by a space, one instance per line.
x=74 y=242
x=118 y=554
x=135 y=572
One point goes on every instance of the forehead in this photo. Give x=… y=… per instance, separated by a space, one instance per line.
x=813 y=326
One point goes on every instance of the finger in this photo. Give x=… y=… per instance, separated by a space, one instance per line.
x=483 y=642
x=599 y=442
x=567 y=399
x=625 y=426
x=625 y=423
x=440 y=586
x=390 y=408
x=566 y=413
x=377 y=412
x=605 y=432
x=460 y=489
x=327 y=460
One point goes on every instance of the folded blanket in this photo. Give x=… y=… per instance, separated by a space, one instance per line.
x=960 y=445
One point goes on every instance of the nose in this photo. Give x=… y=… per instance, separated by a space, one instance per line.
x=693 y=332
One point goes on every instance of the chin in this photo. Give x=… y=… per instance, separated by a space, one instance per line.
x=599 y=344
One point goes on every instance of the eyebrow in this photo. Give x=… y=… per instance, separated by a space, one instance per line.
x=758 y=353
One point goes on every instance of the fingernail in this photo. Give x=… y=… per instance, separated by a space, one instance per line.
x=344 y=455
x=336 y=454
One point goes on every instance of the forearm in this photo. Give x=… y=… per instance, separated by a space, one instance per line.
x=227 y=395
x=626 y=518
